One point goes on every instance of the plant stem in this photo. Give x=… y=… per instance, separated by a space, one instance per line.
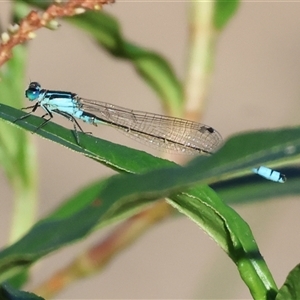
x=200 y=57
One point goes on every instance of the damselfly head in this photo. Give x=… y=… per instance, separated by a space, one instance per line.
x=33 y=91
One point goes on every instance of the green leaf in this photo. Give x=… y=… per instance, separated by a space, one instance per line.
x=20 y=279
x=7 y=292
x=119 y=195
x=90 y=196
x=232 y=233
x=115 y=156
x=47 y=236
x=204 y=207
x=224 y=11
x=291 y=288
x=238 y=156
x=76 y=219
x=200 y=204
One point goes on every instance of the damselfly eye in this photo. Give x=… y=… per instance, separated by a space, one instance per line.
x=31 y=94
x=33 y=91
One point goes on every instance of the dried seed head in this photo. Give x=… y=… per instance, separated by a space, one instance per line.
x=12 y=28
x=5 y=37
x=31 y=35
x=53 y=25
x=79 y=10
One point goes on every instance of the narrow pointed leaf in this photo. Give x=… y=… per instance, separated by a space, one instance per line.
x=7 y=292
x=291 y=287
